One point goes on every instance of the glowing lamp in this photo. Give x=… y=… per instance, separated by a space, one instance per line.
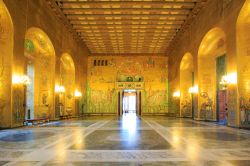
x=59 y=89
x=194 y=89
x=21 y=80
x=78 y=93
x=177 y=94
x=229 y=79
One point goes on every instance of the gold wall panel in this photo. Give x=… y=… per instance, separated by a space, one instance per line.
x=186 y=81
x=212 y=46
x=67 y=76
x=6 y=57
x=243 y=59
x=43 y=59
x=102 y=79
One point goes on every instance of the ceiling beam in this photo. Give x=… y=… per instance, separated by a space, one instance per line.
x=127 y=22
x=77 y=4
x=125 y=32
x=126 y=28
x=117 y=40
x=125 y=14
x=115 y=25
x=125 y=1
x=115 y=18
x=124 y=10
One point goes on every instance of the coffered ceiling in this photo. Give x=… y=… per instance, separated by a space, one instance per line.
x=128 y=26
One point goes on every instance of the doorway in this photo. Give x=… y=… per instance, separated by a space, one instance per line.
x=129 y=102
x=220 y=90
x=30 y=92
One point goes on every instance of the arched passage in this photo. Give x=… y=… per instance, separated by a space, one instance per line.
x=211 y=68
x=67 y=78
x=243 y=59
x=6 y=56
x=41 y=70
x=186 y=82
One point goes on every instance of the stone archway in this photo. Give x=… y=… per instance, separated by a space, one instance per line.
x=40 y=55
x=211 y=68
x=67 y=80
x=186 y=82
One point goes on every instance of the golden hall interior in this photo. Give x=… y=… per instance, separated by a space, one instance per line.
x=125 y=82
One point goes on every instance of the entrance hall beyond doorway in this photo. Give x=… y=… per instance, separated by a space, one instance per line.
x=129 y=102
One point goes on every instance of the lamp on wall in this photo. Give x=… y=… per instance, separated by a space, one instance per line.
x=59 y=89
x=229 y=79
x=193 y=89
x=177 y=94
x=21 y=80
x=78 y=94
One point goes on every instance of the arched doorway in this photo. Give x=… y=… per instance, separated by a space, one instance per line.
x=186 y=82
x=243 y=59
x=67 y=81
x=40 y=55
x=211 y=69
x=6 y=56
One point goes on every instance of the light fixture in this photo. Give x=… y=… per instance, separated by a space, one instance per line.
x=21 y=79
x=229 y=79
x=194 y=89
x=59 y=89
x=78 y=93
x=177 y=94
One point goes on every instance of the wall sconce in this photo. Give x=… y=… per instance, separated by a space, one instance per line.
x=229 y=79
x=194 y=89
x=78 y=93
x=177 y=94
x=59 y=89
x=21 y=80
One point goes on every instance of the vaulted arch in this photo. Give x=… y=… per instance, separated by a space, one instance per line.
x=211 y=68
x=67 y=76
x=186 y=82
x=40 y=55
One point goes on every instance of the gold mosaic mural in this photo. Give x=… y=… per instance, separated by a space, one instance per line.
x=6 y=55
x=40 y=52
x=102 y=78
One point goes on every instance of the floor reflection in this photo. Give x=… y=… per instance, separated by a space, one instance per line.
x=126 y=140
x=129 y=122
x=22 y=136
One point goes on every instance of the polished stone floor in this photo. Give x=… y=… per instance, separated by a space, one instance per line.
x=126 y=141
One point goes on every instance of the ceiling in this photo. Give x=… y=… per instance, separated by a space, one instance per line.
x=128 y=26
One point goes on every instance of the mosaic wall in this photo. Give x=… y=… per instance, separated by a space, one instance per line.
x=6 y=45
x=243 y=40
x=67 y=74
x=186 y=97
x=212 y=46
x=104 y=72
x=186 y=81
x=39 y=50
x=207 y=88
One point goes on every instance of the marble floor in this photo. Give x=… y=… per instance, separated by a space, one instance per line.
x=126 y=141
